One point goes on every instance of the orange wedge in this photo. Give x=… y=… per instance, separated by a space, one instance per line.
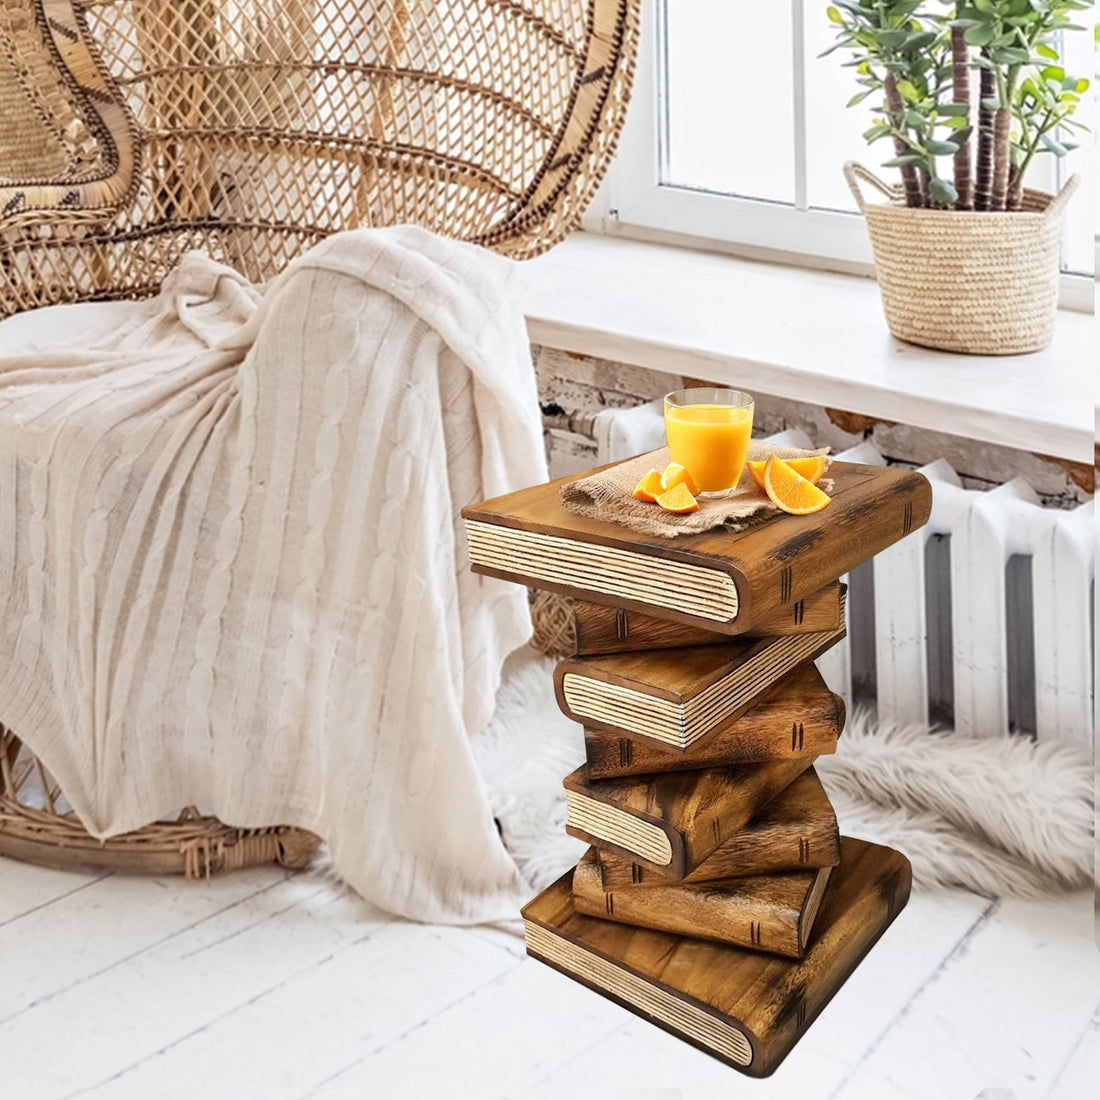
x=675 y=474
x=649 y=488
x=789 y=491
x=678 y=499
x=810 y=468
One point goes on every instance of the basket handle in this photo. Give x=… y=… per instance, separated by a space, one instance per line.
x=1058 y=203
x=854 y=172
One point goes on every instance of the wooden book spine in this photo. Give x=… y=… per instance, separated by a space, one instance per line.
x=772 y=913
x=671 y=823
x=763 y=847
x=796 y=830
x=676 y=698
x=715 y=580
x=798 y=717
x=603 y=629
x=788 y=562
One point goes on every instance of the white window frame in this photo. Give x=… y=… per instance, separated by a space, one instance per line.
x=634 y=203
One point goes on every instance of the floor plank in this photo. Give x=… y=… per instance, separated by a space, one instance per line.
x=897 y=967
x=1080 y=1075
x=499 y=1043
x=24 y=888
x=152 y=997
x=92 y=929
x=268 y=986
x=639 y=1054
x=1005 y=1009
x=508 y=936
x=870 y=1086
x=302 y=1028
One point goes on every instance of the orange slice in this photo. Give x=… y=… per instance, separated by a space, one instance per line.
x=810 y=468
x=649 y=488
x=678 y=499
x=674 y=475
x=789 y=491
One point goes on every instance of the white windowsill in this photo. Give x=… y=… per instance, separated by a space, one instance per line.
x=807 y=335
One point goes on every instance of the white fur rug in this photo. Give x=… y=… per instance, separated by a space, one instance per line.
x=996 y=816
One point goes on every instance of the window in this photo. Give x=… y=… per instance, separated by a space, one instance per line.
x=739 y=130
x=1078 y=248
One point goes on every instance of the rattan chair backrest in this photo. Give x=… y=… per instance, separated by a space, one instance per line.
x=140 y=129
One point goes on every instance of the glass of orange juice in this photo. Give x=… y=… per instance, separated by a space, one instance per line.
x=708 y=431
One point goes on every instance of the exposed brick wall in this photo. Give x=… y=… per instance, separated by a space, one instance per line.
x=574 y=388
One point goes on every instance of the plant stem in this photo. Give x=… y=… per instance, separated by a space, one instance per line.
x=1015 y=193
x=1002 y=138
x=1016 y=183
x=983 y=181
x=1002 y=155
x=960 y=63
x=896 y=108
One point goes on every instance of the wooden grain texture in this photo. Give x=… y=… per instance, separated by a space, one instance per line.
x=772 y=913
x=780 y=560
x=796 y=830
x=601 y=629
x=696 y=811
x=799 y=716
x=677 y=697
x=743 y=1006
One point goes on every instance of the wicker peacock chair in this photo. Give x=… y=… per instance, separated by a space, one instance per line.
x=132 y=131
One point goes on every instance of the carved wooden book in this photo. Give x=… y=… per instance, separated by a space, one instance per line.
x=676 y=697
x=772 y=913
x=799 y=716
x=720 y=580
x=603 y=629
x=742 y=1006
x=795 y=831
x=673 y=821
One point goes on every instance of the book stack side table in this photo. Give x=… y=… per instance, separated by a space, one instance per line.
x=718 y=899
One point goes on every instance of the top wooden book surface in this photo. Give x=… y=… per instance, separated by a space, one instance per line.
x=726 y=581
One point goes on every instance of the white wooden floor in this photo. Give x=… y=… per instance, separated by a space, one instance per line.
x=264 y=985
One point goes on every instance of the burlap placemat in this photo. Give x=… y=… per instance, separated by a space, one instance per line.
x=610 y=496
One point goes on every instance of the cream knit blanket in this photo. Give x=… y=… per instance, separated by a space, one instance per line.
x=232 y=572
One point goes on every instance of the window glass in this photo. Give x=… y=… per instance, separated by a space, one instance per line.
x=729 y=97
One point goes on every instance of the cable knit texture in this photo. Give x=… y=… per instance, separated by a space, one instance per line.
x=233 y=572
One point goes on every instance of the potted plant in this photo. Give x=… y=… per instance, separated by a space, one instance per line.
x=967 y=94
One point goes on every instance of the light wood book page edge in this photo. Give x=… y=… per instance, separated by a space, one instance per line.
x=680 y=1015
x=684 y=724
x=708 y=594
x=618 y=827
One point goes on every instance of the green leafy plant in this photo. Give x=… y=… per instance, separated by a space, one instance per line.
x=918 y=60
x=900 y=57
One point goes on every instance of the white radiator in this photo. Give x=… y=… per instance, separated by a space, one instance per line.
x=981 y=620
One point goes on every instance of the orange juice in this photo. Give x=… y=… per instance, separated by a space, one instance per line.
x=711 y=440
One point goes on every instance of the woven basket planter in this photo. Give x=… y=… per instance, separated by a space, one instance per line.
x=980 y=283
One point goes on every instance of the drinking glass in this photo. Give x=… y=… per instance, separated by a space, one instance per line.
x=708 y=432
